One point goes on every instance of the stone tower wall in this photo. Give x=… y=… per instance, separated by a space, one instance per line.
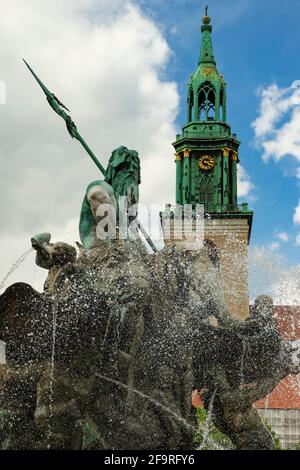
x=230 y=237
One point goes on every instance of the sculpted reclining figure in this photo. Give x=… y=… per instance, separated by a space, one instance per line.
x=52 y=256
x=134 y=333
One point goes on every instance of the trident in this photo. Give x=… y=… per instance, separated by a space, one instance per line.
x=59 y=108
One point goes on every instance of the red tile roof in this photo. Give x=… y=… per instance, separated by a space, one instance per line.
x=287 y=393
x=288 y=319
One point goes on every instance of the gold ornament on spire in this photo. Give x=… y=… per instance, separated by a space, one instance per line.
x=206 y=19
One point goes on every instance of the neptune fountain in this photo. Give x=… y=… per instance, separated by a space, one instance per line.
x=108 y=355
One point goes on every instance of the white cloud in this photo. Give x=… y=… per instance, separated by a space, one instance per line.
x=297 y=214
x=295 y=84
x=286 y=140
x=269 y=274
x=287 y=290
x=245 y=185
x=14 y=246
x=277 y=128
x=105 y=65
x=283 y=236
x=274 y=246
x=277 y=138
x=298 y=240
x=104 y=60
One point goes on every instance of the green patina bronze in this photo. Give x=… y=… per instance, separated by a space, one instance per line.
x=87 y=224
x=207 y=151
x=122 y=176
x=123 y=173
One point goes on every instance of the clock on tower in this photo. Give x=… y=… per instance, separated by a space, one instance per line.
x=207 y=159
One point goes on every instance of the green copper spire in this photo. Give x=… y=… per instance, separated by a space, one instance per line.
x=206 y=100
x=207 y=151
x=206 y=54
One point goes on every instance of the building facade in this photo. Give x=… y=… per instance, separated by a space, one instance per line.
x=282 y=407
x=207 y=160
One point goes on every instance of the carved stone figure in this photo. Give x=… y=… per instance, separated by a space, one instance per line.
x=98 y=193
x=124 y=175
x=122 y=178
x=133 y=335
x=52 y=256
x=110 y=358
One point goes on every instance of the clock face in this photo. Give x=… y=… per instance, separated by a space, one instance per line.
x=206 y=162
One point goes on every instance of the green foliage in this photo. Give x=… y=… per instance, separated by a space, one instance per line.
x=208 y=437
x=276 y=439
x=5 y=422
x=201 y=415
x=90 y=434
x=5 y=417
x=274 y=435
x=215 y=440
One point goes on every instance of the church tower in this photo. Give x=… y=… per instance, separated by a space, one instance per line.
x=207 y=159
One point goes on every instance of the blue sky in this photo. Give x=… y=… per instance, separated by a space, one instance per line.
x=122 y=66
x=256 y=44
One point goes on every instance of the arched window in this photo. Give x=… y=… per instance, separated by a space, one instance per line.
x=211 y=105
x=207 y=102
x=203 y=190
x=206 y=190
x=202 y=106
x=191 y=105
x=222 y=105
x=210 y=190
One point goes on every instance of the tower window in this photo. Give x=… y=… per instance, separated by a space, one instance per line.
x=207 y=102
x=203 y=191
x=202 y=106
x=191 y=105
x=222 y=105
x=206 y=189
x=211 y=104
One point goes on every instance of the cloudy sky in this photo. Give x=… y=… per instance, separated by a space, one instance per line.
x=122 y=67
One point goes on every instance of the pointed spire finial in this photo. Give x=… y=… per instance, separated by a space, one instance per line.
x=206 y=19
x=206 y=54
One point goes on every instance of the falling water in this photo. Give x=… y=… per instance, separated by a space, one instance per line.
x=272 y=274
x=208 y=420
x=242 y=379
x=107 y=329
x=54 y=318
x=15 y=267
x=150 y=399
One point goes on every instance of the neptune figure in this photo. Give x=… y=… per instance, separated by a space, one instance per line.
x=122 y=178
